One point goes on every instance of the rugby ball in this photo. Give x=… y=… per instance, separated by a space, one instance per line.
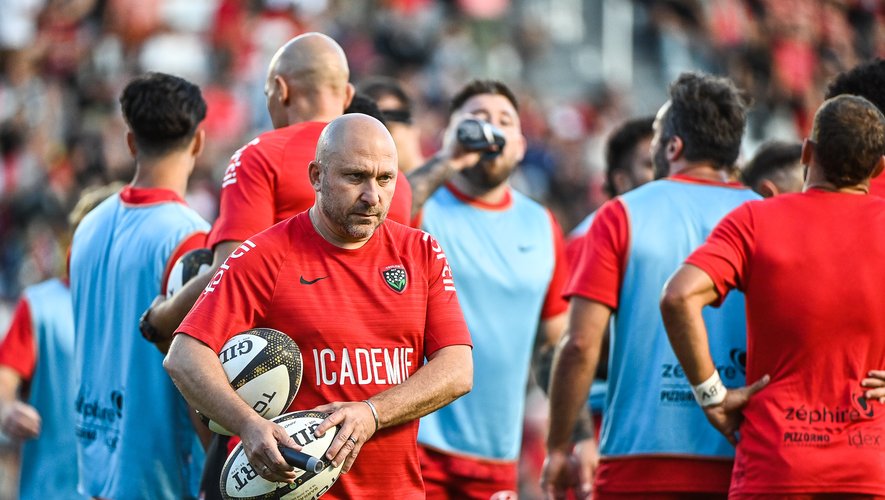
x=186 y=267
x=241 y=482
x=264 y=368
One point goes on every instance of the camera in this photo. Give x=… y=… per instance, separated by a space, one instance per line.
x=479 y=135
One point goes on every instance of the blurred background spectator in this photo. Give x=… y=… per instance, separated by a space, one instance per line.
x=580 y=67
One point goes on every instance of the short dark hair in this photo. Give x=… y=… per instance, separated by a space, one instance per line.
x=866 y=80
x=849 y=137
x=380 y=86
x=620 y=145
x=480 y=87
x=163 y=112
x=769 y=159
x=708 y=113
x=364 y=104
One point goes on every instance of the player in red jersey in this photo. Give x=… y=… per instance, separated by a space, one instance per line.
x=812 y=272
x=266 y=181
x=338 y=257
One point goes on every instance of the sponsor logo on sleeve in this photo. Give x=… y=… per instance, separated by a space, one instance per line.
x=240 y=251
x=446 y=275
x=230 y=173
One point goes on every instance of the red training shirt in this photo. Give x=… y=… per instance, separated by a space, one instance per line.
x=266 y=182
x=358 y=335
x=810 y=265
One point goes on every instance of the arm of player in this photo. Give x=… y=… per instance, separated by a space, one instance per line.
x=198 y=374
x=447 y=375
x=167 y=314
x=574 y=365
x=685 y=295
x=18 y=420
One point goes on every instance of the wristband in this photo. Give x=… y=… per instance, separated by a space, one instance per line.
x=148 y=331
x=710 y=392
x=374 y=412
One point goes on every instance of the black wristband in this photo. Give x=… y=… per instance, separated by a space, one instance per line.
x=147 y=329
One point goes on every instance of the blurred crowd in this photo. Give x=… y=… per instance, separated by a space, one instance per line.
x=64 y=63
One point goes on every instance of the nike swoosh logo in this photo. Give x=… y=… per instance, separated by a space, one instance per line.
x=311 y=282
x=525 y=248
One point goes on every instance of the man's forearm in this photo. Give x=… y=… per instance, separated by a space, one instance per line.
x=447 y=376
x=428 y=178
x=571 y=377
x=682 y=304
x=167 y=315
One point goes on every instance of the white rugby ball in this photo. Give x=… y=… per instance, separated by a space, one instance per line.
x=264 y=368
x=241 y=482
x=186 y=267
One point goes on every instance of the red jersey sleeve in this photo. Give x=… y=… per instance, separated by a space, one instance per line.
x=247 y=199
x=444 y=324
x=237 y=297
x=555 y=303
x=725 y=254
x=192 y=242
x=602 y=257
x=18 y=349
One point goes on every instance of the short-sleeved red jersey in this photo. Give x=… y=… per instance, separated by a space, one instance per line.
x=359 y=328
x=810 y=265
x=266 y=182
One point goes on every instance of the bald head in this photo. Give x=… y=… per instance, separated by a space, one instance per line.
x=355 y=134
x=311 y=59
x=354 y=176
x=307 y=80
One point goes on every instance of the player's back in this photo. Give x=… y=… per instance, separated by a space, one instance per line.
x=668 y=220
x=125 y=400
x=816 y=325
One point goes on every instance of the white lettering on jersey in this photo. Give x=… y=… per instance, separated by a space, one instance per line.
x=236 y=254
x=230 y=173
x=448 y=282
x=374 y=366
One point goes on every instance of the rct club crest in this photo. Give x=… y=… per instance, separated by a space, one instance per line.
x=395 y=277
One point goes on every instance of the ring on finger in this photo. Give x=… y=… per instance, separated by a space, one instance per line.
x=265 y=469
x=352 y=440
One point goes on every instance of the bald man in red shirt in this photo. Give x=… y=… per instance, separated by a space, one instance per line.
x=366 y=300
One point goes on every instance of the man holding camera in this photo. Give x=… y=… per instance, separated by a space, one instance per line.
x=507 y=260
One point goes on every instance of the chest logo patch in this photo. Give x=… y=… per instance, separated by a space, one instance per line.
x=396 y=278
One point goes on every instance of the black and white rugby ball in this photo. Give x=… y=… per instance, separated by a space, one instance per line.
x=264 y=368
x=239 y=481
x=186 y=267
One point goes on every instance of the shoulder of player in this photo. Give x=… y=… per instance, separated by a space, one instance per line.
x=405 y=239
x=299 y=134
